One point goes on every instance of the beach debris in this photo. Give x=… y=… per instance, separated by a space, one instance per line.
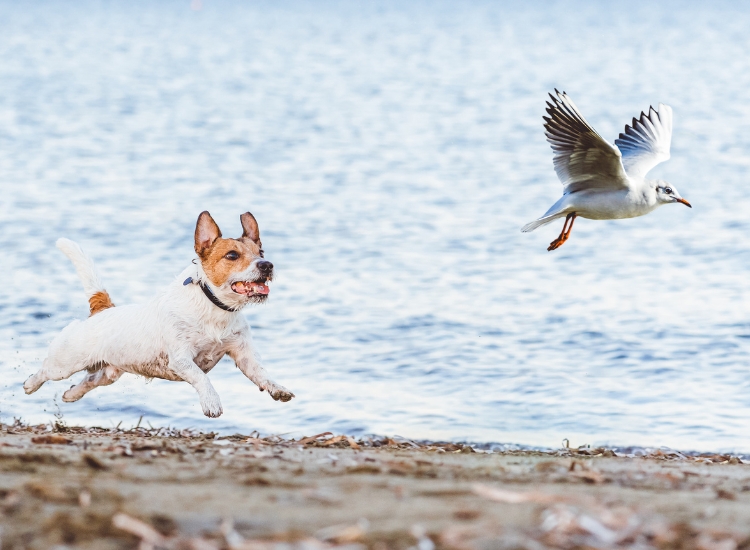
x=51 y=439
x=328 y=439
x=312 y=439
x=329 y=442
x=514 y=497
x=467 y=514
x=94 y=462
x=581 y=471
x=585 y=522
x=344 y=539
x=344 y=533
x=84 y=498
x=726 y=495
x=423 y=541
x=51 y=492
x=364 y=469
x=569 y=495
x=151 y=539
x=324 y=496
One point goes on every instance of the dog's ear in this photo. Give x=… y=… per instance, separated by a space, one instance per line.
x=250 y=227
x=206 y=233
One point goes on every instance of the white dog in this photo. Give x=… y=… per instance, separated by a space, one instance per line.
x=182 y=333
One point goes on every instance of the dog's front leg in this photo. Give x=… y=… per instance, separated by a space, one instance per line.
x=185 y=368
x=248 y=361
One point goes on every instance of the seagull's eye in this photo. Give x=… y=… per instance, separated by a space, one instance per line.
x=668 y=190
x=231 y=255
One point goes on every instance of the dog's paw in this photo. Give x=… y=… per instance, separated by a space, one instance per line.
x=211 y=404
x=279 y=393
x=32 y=384
x=71 y=395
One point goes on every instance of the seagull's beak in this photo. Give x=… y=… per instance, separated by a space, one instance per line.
x=683 y=201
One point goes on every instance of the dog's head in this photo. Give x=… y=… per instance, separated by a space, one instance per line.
x=235 y=267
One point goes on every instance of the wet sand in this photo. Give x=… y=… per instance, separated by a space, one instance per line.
x=98 y=488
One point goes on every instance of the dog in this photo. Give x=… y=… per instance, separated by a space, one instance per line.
x=180 y=334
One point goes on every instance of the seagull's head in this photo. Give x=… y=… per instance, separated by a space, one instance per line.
x=667 y=193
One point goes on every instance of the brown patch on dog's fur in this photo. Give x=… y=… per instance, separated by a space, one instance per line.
x=100 y=301
x=218 y=268
x=212 y=248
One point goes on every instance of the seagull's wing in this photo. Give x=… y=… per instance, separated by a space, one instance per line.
x=583 y=159
x=646 y=143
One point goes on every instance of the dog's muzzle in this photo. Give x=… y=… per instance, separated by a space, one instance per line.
x=258 y=287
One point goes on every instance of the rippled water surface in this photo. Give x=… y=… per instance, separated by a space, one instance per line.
x=391 y=154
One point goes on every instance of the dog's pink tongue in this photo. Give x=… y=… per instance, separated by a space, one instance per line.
x=250 y=288
x=259 y=288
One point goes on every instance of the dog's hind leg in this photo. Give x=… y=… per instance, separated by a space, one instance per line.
x=55 y=367
x=49 y=371
x=103 y=377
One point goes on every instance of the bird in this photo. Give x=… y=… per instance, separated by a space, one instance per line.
x=602 y=181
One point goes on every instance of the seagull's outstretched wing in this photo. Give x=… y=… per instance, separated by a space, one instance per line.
x=583 y=159
x=646 y=143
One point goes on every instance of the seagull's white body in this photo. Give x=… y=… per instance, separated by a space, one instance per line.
x=603 y=204
x=603 y=181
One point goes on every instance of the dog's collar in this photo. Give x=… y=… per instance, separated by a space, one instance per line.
x=210 y=295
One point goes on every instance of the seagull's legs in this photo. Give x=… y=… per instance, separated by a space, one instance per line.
x=565 y=233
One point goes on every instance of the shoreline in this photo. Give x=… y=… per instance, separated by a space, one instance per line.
x=160 y=488
x=143 y=426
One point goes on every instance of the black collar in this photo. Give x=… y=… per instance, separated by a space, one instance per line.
x=210 y=295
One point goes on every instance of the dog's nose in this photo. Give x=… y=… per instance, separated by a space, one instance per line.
x=264 y=266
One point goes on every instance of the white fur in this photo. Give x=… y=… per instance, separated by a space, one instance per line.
x=92 y=283
x=178 y=335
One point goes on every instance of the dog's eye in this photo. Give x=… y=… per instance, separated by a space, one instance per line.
x=261 y=253
x=231 y=255
x=668 y=190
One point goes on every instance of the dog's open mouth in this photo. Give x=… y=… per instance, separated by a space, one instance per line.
x=251 y=288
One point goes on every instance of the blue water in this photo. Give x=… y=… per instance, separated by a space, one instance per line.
x=391 y=152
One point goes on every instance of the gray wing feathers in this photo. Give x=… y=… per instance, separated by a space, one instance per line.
x=582 y=158
x=647 y=142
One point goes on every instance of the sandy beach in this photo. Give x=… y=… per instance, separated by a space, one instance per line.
x=147 y=488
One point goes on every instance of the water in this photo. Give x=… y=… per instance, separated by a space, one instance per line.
x=391 y=154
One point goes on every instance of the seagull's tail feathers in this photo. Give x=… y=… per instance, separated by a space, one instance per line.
x=544 y=220
x=557 y=210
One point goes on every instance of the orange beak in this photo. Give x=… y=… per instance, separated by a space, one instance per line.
x=683 y=201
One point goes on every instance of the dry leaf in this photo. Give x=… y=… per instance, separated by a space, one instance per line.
x=51 y=439
x=589 y=476
x=331 y=441
x=306 y=440
x=513 y=497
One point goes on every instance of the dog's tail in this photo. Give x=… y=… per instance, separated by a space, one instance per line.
x=92 y=285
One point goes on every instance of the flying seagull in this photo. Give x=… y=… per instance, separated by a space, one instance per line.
x=603 y=181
